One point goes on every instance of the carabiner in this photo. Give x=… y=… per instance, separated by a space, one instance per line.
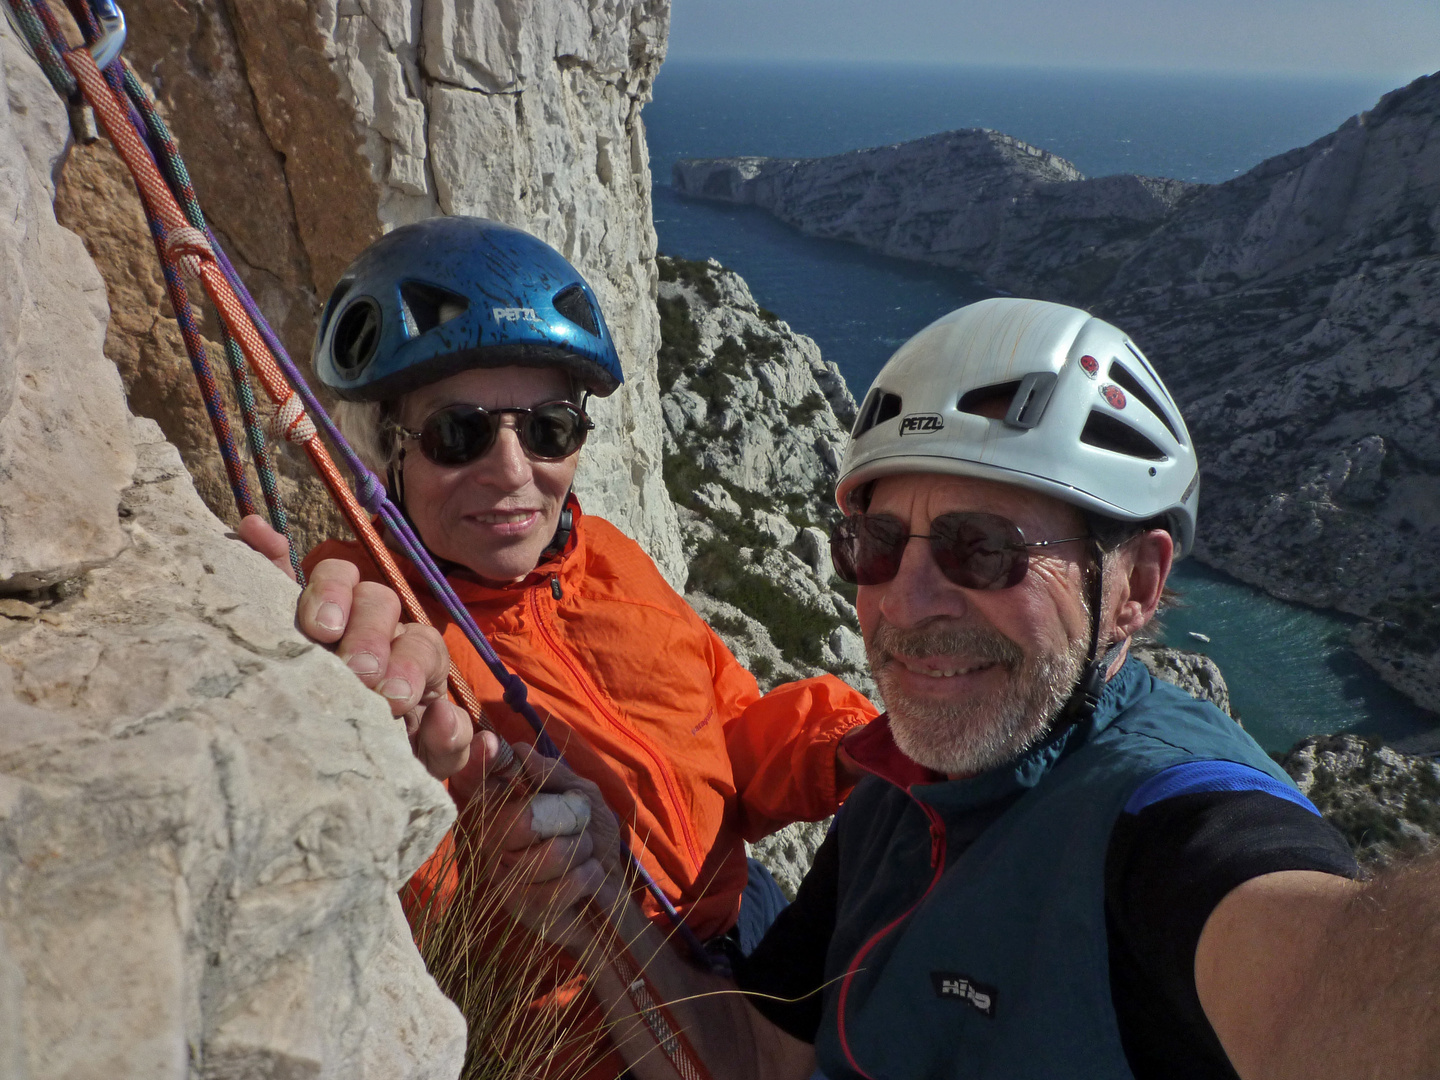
x=106 y=48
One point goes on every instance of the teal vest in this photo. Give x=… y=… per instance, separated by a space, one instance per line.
x=995 y=964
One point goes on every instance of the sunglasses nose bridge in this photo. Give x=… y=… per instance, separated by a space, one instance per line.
x=506 y=454
x=920 y=589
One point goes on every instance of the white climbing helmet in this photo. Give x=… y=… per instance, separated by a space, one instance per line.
x=1034 y=394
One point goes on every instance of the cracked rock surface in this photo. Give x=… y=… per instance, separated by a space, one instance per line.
x=755 y=424
x=62 y=418
x=203 y=818
x=311 y=127
x=1384 y=801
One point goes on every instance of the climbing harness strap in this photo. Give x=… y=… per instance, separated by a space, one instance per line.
x=127 y=113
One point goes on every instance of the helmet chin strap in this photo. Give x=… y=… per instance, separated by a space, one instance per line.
x=1086 y=696
x=563 y=528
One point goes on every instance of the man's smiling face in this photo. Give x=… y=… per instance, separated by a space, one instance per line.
x=973 y=677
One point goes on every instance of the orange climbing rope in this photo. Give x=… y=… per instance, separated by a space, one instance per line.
x=191 y=249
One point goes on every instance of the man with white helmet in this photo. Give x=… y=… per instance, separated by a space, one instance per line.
x=1057 y=866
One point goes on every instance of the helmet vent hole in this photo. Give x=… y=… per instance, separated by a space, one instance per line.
x=428 y=306
x=1126 y=381
x=992 y=401
x=357 y=336
x=1107 y=433
x=336 y=295
x=879 y=406
x=572 y=302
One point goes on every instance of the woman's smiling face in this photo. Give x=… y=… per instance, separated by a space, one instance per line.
x=494 y=515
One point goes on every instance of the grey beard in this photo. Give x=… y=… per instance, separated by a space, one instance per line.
x=965 y=736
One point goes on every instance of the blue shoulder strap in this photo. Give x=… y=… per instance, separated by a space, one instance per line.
x=1190 y=777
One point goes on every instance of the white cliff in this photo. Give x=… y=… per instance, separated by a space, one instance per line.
x=755 y=424
x=1382 y=800
x=310 y=128
x=1017 y=216
x=530 y=113
x=203 y=818
x=1294 y=311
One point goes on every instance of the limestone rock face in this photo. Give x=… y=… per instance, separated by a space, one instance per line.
x=312 y=127
x=1294 y=312
x=530 y=113
x=1018 y=216
x=1384 y=801
x=64 y=457
x=203 y=818
x=1193 y=672
x=755 y=423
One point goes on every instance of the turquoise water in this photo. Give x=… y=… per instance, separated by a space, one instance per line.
x=1289 y=670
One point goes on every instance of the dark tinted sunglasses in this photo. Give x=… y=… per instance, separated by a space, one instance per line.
x=459 y=434
x=975 y=551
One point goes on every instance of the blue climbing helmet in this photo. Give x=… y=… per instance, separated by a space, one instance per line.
x=448 y=294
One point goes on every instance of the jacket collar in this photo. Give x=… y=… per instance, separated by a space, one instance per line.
x=873 y=749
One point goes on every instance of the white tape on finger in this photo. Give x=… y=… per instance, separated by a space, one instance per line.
x=565 y=814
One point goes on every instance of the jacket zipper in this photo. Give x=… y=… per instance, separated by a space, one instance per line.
x=937 y=866
x=658 y=762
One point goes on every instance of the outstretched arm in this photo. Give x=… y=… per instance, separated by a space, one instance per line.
x=1303 y=974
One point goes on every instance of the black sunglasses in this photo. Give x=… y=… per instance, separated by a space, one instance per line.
x=459 y=434
x=975 y=551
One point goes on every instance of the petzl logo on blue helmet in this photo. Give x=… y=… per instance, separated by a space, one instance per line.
x=442 y=296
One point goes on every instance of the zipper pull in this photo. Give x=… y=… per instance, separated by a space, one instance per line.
x=937 y=845
x=555 y=589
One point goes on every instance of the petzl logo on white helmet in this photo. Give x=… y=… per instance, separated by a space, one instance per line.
x=921 y=423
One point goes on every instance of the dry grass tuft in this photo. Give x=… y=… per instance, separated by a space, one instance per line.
x=526 y=1014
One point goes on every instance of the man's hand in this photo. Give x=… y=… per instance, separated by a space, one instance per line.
x=404 y=662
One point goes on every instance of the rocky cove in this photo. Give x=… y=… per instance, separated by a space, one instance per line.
x=189 y=791
x=1287 y=309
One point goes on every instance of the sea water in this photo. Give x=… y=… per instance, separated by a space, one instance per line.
x=1290 y=671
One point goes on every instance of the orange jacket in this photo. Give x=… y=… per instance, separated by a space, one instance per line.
x=646 y=701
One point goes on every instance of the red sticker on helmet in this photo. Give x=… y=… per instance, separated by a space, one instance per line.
x=1090 y=366
x=1114 y=395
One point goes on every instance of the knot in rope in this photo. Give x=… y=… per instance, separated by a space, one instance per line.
x=187 y=245
x=514 y=691
x=290 y=422
x=370 y=491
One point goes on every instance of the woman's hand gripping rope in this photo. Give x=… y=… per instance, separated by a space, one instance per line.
x=406 y=663
x=547 y=834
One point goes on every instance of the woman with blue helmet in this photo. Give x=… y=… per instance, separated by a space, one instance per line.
x=464 y=352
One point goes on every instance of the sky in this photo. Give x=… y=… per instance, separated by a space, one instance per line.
x=1399 y=39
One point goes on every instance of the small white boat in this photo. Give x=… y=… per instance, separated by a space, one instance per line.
x=1199 y=636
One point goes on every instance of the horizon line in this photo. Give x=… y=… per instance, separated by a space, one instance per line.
x=1397 y=77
